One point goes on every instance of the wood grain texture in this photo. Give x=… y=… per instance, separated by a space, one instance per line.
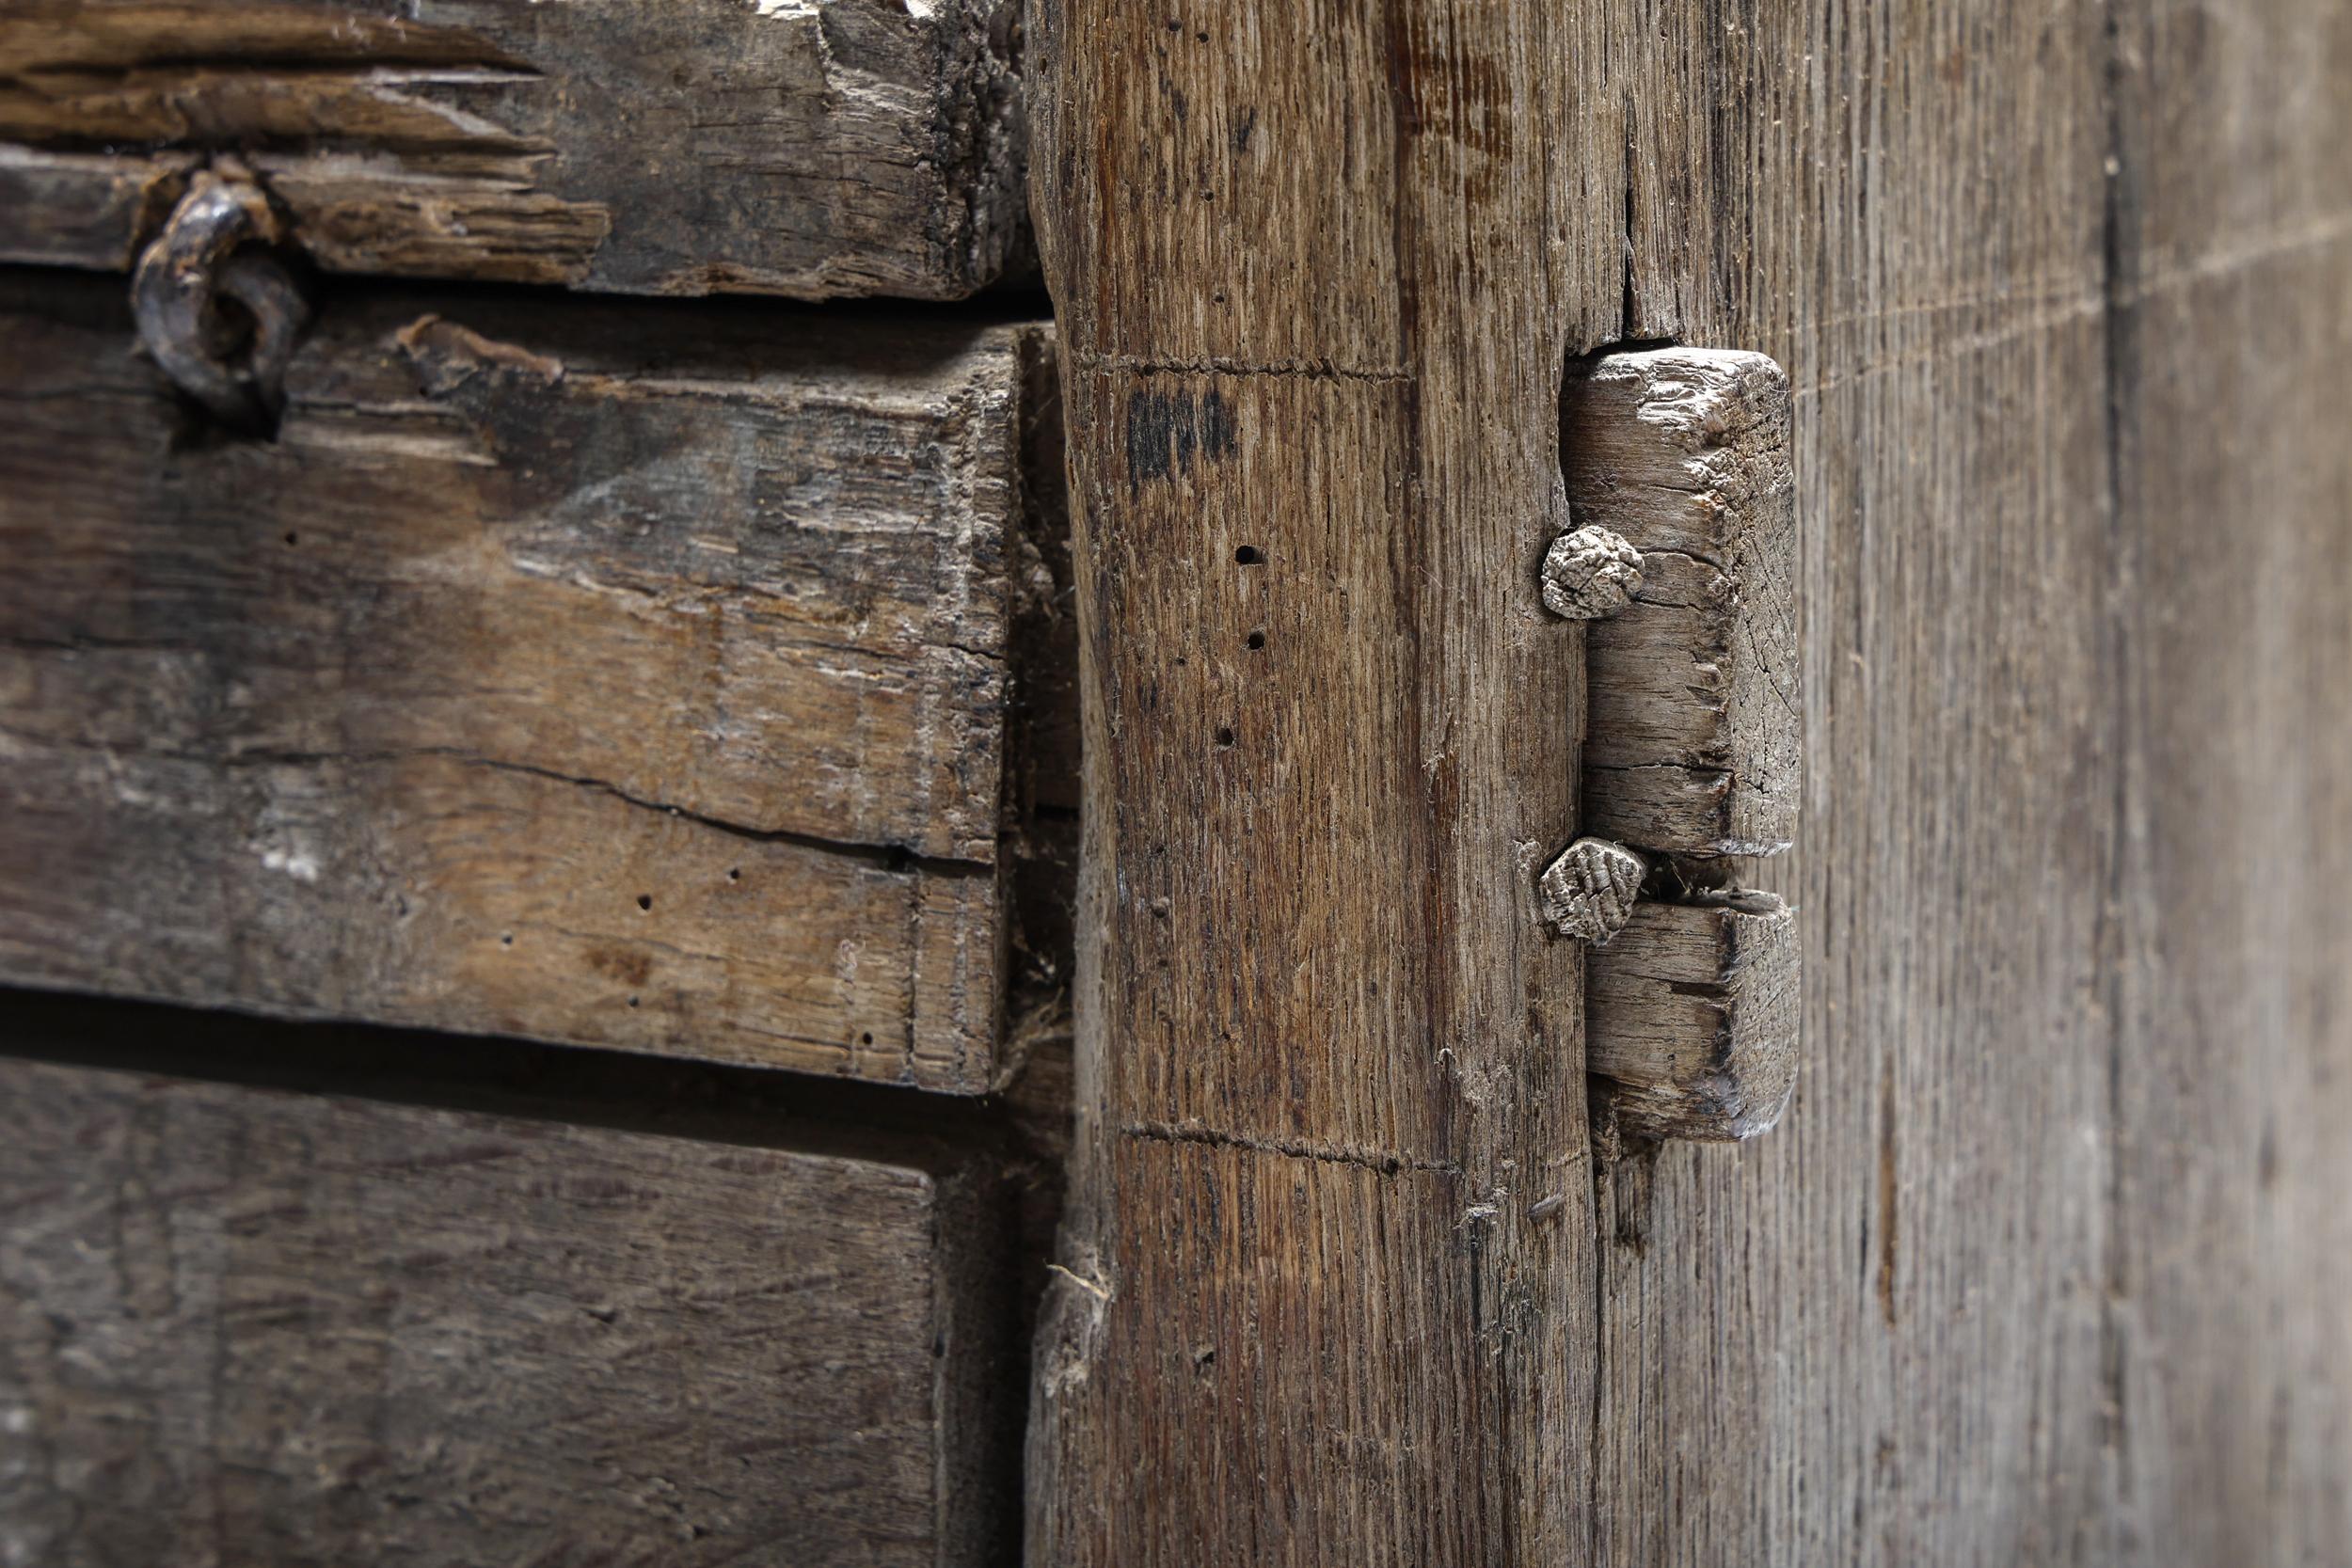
x=642 y=683
x=1691 y=1014
x=1695 y=735
x=2229 y=1333
x=2045 y=1262
x=813 y=149
x=1326 y=1292
x=245 y=1327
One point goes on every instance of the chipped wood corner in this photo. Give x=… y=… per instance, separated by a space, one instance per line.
x=1691 y=1017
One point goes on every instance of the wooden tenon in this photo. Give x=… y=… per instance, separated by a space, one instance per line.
x=1693 y=755
x=243 y=1325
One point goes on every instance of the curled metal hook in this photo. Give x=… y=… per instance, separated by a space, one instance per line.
x=215 y=247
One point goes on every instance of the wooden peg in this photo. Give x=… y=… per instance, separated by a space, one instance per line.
x=1589 y=891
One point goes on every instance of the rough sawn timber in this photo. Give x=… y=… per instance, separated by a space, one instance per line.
x=1325 y=1294
x=807 y=147
x=642 y=682
x=243 y=1325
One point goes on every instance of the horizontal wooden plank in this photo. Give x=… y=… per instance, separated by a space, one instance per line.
x=1693 y=735
x=243 y=1325
x=640 y=682
x=806 y=147
x=1692 y=1013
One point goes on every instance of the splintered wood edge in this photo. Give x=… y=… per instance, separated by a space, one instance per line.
x=1694 y=728
x=1692 y=1015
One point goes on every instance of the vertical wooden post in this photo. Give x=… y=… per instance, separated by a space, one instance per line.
x=1326 y=1296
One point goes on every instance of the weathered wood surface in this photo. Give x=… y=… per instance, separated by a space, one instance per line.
x=1325 y=1294
x=2229 y=1263
x=639 y=682
x=2048 y=1262
x=245 y=1327
x=1693 y=732
x=808 y=148
x=1691 y=1013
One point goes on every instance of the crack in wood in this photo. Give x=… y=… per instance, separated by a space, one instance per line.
x=1383 y=1161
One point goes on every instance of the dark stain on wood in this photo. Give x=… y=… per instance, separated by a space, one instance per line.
x=1167 y=430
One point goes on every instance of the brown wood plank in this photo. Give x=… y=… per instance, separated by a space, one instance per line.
x=241 y=1325
x=813 y=149
x=639 y=683
x=1325 y=1296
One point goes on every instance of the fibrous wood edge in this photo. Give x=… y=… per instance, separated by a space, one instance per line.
x=642 y=685
x=255 y=1325
x=1691 y=1014
x=816 y=149
x=1695 y=728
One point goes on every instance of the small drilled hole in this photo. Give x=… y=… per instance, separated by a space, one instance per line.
x=1257 y=639
x=1247 y=555
x=644 y=900
x=867 y=1039
x=735 y=874
x=507 y=940
x=1224 y=737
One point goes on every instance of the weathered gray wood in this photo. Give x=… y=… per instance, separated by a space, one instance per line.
x=636 y=682
x=1692 y=1012
x=244 y=1326
x=2227 y=1277
x=1877 y=1334
x=1695 y=735
x=808 y=148
x=1326 y=1287
x=2046 y=1263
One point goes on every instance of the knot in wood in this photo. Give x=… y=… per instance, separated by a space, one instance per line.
x=1589 y=892
x=1591 y=574
x=217 y=310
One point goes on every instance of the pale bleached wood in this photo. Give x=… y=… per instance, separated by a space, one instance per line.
x=241 y=1325
x=814 y=149
x=1876 y=1336
x=1325 y=1290
x=1696 y=734
x=2045 y=1262
x=641 y=682
x=1690 y=1012
x=2228 y=1272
